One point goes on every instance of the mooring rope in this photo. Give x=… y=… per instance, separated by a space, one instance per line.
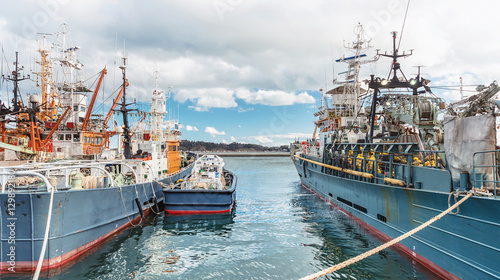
x=386 y=245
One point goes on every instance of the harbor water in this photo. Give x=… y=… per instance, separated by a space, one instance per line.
x=278 y=230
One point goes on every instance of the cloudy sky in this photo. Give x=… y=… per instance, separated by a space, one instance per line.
x=250 y=70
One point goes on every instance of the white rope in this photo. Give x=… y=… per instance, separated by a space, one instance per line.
x=386 y=245
x=47 y=227
x=125 y=207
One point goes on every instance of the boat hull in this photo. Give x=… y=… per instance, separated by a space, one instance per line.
x=452 y=247
x=192 y=202
x=81 y=220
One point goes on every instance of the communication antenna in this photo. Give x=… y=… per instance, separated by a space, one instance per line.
x=461 y=89
x=321 y=93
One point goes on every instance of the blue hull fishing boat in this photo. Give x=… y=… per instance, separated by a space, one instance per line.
x=209 y=189
x=55 y=210
x=59 y=223
x=396 y=167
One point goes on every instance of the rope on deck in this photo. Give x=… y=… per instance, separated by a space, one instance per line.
x=386 y=245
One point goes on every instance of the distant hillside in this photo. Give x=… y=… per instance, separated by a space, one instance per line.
x=202 y=146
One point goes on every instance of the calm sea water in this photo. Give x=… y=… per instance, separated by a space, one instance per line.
x=278 y=230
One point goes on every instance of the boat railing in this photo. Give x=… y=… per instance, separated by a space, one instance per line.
x=196 y=183
x=389 y=163
x=486 y=171
x=59 y=175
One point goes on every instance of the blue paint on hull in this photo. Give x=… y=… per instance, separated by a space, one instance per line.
x=81 y=220
x=182 y=202
x=466 y=245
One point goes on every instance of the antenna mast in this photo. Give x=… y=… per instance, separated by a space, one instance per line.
x=127 y=151
x=16 y=78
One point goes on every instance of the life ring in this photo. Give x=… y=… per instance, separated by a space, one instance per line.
x=88 y=151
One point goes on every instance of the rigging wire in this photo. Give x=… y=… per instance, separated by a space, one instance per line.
x=404 y=21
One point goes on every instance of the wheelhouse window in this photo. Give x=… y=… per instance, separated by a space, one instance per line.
x=68 y=137
x=76 y=137
x=60 y=137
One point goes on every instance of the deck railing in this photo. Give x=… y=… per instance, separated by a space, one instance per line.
x=485 y=171
x=388 y=162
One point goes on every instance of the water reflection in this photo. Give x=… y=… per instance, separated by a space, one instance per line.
x=341 y=238
x=194 y=224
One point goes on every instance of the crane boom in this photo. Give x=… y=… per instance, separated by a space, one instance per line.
x=49 y=136
x=115 y=102
x=92 y=102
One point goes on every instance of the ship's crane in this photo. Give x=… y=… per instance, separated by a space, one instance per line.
x=54 y=128
x=477 y=103
x=92 y=102
x=110 y=113
x=115 y=102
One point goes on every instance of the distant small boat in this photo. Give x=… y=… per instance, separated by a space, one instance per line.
x=210 y=189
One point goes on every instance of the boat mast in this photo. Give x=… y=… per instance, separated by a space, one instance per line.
x=126 y=129
x=392 y=83
x=352 y=90
x=50 y=98
x=158 y=109
x=16 y=78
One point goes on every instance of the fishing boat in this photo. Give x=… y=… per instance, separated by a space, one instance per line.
x=209 y=189
x=394 y=155
x=55 y=211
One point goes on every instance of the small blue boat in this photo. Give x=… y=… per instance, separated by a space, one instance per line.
x=210 y=189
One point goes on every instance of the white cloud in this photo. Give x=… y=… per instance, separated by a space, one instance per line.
x=233 y=139
x=191 y=128
x=213 y=132
x=241 y=50
x=241 y=110
x=206 y=98
x=274 y=97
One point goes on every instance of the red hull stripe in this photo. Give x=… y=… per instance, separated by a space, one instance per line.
x=400 y=248
x=68 y=258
